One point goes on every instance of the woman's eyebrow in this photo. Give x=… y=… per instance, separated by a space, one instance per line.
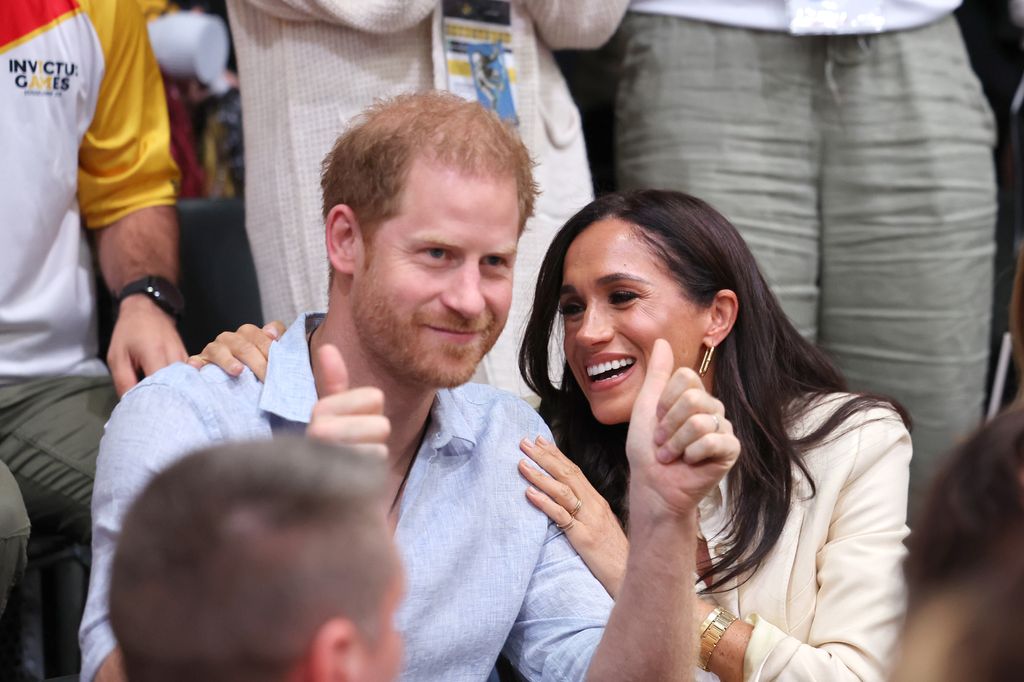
x=605 y=280
x=619 y=277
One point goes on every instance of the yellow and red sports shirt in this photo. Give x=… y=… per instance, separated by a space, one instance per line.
x=84 y=139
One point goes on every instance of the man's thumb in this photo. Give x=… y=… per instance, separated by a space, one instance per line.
x=333 y=372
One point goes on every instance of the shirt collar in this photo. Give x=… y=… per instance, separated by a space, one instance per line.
x=451 y=428
x=289 y=390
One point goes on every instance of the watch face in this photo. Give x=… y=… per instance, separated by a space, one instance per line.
x=161 y=291
x=166 y=295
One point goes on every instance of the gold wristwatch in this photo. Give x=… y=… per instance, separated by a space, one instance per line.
x=711 y=631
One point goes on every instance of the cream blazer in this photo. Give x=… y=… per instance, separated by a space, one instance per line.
x=828 y=602
x=308 y=66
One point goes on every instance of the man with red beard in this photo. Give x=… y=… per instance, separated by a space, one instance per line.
x=425 y=198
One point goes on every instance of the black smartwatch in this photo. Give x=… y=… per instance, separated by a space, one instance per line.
x=161 y=291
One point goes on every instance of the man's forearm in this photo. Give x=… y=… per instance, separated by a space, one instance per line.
x=144 y=242
x=651 y=633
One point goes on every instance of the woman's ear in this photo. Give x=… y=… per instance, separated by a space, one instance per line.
x=723 y=311
x=344 y=235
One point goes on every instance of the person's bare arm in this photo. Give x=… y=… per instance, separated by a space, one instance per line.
x=651 y=634
x=145 y=339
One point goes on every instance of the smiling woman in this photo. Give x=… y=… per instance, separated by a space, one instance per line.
x=803 y=540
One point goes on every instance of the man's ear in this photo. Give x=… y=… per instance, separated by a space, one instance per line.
x=723 y=311
x=338 y=653
x=344 y=235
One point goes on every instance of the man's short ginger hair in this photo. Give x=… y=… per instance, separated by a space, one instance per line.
x=231 y=560
x=368 y=166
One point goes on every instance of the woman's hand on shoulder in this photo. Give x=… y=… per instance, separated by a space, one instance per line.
x=568 y=498
x=248 y=346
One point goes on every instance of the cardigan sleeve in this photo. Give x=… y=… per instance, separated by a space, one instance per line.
x=570 y=24
x=860 y=597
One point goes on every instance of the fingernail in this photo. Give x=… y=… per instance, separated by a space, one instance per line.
x=236 y=369
x=532 y=490
x=541 y=440
x=663 y=455
x=659 y=435
x=526 y=443
x=271 y=330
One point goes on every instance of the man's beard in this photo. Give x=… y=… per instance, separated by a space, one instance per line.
x=394 y=343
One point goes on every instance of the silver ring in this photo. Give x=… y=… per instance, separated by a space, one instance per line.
x=718 y=423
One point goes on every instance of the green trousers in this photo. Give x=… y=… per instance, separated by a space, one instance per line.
x=50 y=432
x=859 y=170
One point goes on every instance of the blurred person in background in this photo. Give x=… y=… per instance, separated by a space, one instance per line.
x=259 y=562
x=308 y=66
x=965 y=571
x=851 y=144
x=84 y=131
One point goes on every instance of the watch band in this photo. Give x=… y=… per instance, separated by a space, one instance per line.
x=711 y=632
x=159 y=290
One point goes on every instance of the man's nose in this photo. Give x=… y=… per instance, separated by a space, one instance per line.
x=464 y=294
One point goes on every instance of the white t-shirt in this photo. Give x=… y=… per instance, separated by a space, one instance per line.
x=771 y=15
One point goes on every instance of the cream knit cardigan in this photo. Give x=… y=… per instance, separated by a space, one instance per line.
x=308 y=66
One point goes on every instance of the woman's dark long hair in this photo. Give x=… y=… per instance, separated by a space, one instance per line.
x=766 y=373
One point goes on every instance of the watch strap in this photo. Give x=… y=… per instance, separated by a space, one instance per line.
x=712 y=631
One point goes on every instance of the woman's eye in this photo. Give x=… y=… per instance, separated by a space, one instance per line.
x=622 y=297
x=569 y=309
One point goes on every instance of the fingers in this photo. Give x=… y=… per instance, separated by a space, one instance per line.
x=561 y=493
x=659 y=369
x=363 y=400
x=722 y=447
x=694 y=429
x=554 y=511
x=233 y=351
x=333 y=372
x=691 y=402
x=682 y=381
x=547 y=455
x=643 y=419
x=274 y=329
x=370 y=429
x=121 y=369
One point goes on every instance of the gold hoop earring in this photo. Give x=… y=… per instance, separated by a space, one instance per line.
x=705 y=362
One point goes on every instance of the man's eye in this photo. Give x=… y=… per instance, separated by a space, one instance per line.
x=494 y=261
x=437 y=254
x=622 y=297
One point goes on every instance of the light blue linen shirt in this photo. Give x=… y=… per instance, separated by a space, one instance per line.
x=485 y=571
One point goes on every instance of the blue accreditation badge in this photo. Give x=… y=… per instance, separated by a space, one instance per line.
x=490 y=78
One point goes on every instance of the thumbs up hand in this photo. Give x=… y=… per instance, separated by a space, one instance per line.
x=347 y=416
x=680 y=444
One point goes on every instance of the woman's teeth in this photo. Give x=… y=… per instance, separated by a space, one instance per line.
x=607 y=370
